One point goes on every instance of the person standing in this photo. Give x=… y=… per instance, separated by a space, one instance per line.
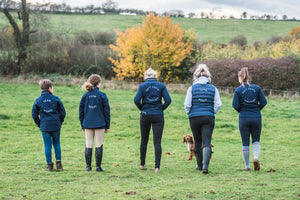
x=201 y=104
x=148 y=100
x=49 y=113
x=94 y=116
x=249 y=100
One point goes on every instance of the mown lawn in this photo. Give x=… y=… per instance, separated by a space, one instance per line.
x=22 y=166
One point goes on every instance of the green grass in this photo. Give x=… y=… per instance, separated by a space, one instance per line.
x=205 y=29
x=22 y=166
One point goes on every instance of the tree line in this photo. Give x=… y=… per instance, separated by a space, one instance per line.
x=111 y=7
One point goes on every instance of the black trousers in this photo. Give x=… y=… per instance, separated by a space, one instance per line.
x=202 y=129
x=157 y=123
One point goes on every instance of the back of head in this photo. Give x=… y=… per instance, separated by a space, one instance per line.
x=150 y=73
x=92 y=82
x=45 y=84
x=202 y=70
x=244 y=76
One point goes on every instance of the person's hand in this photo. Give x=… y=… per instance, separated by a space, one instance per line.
x=83 y=130
x=106 y=130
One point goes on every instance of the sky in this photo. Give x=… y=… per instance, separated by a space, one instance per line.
x=229 y=7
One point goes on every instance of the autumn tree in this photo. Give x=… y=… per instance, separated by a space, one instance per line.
x=158 y=43
x=295 y=32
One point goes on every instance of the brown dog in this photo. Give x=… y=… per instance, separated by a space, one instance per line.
x=189 y=143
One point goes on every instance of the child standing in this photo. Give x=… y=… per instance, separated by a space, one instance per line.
x=94 y=116
x=49 y=113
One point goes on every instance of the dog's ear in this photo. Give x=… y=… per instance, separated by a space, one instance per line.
x=183 y=139
x=211 y=145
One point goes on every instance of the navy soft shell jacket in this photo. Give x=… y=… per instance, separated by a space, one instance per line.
x=151 y=93
x=94 y=110
x=249 y=100
x=48 y=112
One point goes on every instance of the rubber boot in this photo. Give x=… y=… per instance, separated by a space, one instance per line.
x=98 y=155
x=206 y=159
x=88 y=158
x=199 y=158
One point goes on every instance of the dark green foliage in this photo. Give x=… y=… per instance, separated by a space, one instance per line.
x=240 y=40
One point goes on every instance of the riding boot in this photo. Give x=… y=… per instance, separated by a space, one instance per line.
x=206 y=158
x=88 y=158
x=199 y=158
x=98 y=155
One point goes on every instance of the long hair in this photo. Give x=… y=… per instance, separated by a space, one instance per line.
x=244 y=75
x=202 y=70
x=92 y=82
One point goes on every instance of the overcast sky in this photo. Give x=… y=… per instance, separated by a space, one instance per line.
x=291 y=8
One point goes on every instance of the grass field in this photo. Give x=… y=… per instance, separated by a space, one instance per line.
x=22 y=166
x=205 y=29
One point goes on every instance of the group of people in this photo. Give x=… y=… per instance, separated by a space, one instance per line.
x=201 y=104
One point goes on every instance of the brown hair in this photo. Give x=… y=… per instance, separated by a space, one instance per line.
x=45 y=84
x=92 y=82
x=244 y=75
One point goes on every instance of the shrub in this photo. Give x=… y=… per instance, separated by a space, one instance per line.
x=295 y=32
x=268 y=73
x=239 y=40
x=274 y=39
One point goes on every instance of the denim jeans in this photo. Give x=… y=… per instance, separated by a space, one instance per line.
x=202 y=129
x=52 y=138
x=157 y=122
x=250 y=126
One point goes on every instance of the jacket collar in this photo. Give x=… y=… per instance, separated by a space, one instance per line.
x=151 y=79
x=201 y=80
x=46 y=92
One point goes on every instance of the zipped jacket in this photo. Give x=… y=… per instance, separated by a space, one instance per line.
x=48 y=112
x=94 y=110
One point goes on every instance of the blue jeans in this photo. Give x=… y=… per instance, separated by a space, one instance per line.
x=250 y=126
x=52 y=137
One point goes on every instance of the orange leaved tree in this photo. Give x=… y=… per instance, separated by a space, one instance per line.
x=157 y=43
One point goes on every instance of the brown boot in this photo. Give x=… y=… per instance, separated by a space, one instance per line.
x=59 y=167
x=49 y=167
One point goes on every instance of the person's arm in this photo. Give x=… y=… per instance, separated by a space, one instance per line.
x=262 y=99
x=217 y=101
x=81 y=111
x=35 y=114
x=188 y=100
x=167 y=98
x=106 y=112
x=62 y=111
x=137 y=98
x=236 y=102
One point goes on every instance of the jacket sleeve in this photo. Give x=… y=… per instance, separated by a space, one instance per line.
x=262 y=99
x=217 y=101
x=236 y=102
x=81 y=110
x=106 y=111
x=62 y=111
x=138 y=98
x=167 y=98
x=35 y=114
x=188 y=100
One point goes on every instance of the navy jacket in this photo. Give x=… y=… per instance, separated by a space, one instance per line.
x=48 y=112
x=149 y=96
x=249 y=100
x=94 y=110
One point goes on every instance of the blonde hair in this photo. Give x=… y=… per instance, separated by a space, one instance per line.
x=150 y=73
x=92 y=82
x=45 y=84
x=244 y=75
x=202 y=70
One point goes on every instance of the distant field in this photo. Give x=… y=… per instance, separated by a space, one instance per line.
x=205 y=29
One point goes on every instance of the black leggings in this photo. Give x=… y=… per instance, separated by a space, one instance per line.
x=202 y=129
x=157 y=122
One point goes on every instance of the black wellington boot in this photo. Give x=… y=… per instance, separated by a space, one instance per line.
x=88 y=158
x=98 y=155
x=199 y=158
